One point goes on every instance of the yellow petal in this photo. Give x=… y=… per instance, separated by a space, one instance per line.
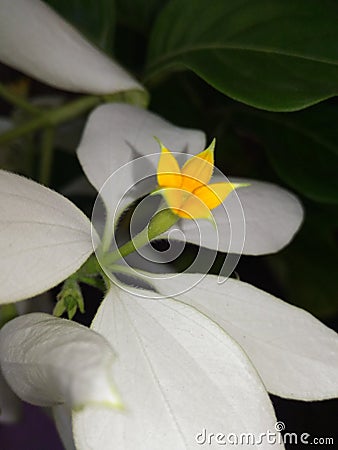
x=214 y=194
x=184 y=204
x=194 y=208
x=198 y=170
x=168 y=170
x=174 y=198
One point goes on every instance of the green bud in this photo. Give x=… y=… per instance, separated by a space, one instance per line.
x=69 y=299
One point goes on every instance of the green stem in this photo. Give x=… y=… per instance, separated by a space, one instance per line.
x=47 y=151
x=90 y=273
x=73 y=109
x=65 y=112
x=96 y=282
x=161 y=222
x=90 y=268
x=18 y=101
x=52 y=118
x=21 y=130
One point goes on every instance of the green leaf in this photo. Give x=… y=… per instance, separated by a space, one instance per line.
x=302 y=148
x=279 y=55
x=94 y=18
x=138 y=14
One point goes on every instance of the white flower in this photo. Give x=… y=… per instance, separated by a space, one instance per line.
x=44 y=238
x=204 y=358
x=116 y=134
x=35 y=40
x=50 y=361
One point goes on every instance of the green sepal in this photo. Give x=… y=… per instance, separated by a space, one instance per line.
x=69 y=299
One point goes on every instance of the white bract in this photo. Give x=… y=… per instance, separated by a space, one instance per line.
x=50 y=361
x=44 y=238
x=119 y=133
x=205 y=358
x=35 y=40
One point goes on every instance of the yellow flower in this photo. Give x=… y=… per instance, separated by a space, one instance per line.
x=186 y=190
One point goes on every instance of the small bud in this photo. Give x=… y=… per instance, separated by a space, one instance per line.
x=69 y=299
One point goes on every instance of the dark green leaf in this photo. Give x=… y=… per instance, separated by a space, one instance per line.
x=95 y=18
x=279 y=55
x=138 y=14
x=302 y=148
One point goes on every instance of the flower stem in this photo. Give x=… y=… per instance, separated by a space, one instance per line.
x=52 y=118
x=90 y=268
x=17 y=100
x=159 y=224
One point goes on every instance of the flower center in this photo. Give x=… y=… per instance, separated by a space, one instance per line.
x=187 y=190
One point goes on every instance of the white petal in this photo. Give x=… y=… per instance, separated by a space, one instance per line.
x=178 y=373
x=115 y=135
x=44 y=238
x=63 y=421
x=35 y=40
x=10 y=405
x=295 y=354
x=49 y=361
x=272 y=217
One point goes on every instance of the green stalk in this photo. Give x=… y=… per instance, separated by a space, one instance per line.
x=90 y=268
x=65 y=112
x=52 y=118
x=18 y=101
x=160 y=223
